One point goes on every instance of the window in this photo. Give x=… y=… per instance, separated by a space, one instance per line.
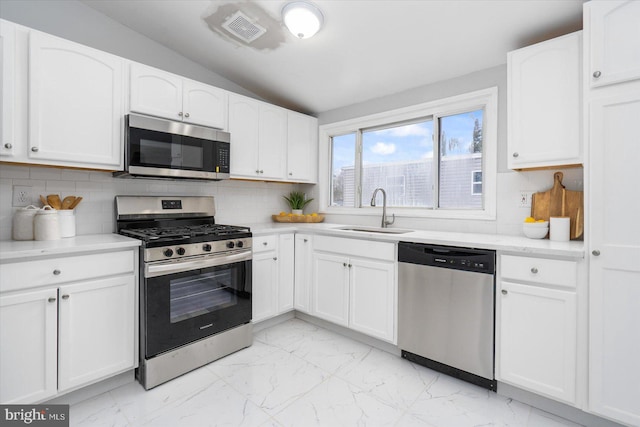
x=422 y=156
x=476 y=183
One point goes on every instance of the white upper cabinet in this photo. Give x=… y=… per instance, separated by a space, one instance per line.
x=271 y=143
x=76 y=104
x=545 y=104
x=7 y=85
x=258 y=139
x=614 y=31
x=302 y=147
x=162 y=94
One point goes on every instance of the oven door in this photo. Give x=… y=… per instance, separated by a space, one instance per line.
x=183 y=307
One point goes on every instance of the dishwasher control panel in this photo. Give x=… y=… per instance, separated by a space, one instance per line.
x=467 y=259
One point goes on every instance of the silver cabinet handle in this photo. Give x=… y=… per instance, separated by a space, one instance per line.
x=65 y=296
x=290 y=173
x=504 y=292
x=186 y=114
x=344 y=264
x=515 y=154
x=51 y=299
x=264 y=243
x=34 y=149
x=534 y=270
x=275 y=258
x=595 y=252
x=257 y=171
x=56 y=272
x=350 y=265
x=261 y=171
x=8 y=146
x=180 y=114
x=305 y=240
x=597 y=74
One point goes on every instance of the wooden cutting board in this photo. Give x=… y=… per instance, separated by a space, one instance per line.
x=559 y=201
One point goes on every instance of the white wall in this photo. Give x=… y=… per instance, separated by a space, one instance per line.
x=509 y=183
x=237 y=202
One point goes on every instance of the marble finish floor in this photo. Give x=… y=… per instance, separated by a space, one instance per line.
x=298 y=374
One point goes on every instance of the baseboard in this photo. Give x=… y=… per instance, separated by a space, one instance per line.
x=556 y=408
x=93 y=390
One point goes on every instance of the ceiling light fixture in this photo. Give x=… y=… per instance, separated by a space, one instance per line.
x=302 y=19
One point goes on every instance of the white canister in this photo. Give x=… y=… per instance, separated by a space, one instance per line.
x=46 y=225
x=23 y=223
x=67 y=219
x=559 y=228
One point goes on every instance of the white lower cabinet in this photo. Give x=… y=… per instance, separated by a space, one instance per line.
x=272 y=276
x=28 y=359
x=352 y=290
x=537 y=344
x=303 y=272
x=72 y=328
x=95 y=330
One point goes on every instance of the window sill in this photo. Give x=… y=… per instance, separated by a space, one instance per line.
x=414 y=213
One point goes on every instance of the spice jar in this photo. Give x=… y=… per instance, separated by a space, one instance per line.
x=23 y=223
x=46 y=225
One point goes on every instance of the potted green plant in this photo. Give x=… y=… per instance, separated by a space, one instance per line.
x=297 y=201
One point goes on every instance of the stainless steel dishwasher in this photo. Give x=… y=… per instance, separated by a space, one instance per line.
x=446 y=310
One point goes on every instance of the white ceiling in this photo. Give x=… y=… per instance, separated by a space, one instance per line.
x=365 y=50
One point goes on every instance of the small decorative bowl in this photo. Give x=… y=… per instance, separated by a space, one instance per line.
x=536 y=230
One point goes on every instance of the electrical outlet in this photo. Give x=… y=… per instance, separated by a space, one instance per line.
x=524 y=199
x=22 y=196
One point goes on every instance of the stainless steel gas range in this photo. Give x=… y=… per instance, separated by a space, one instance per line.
x=195 y=283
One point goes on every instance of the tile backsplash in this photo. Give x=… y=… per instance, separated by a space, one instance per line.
x=244 y=202
x=237 y=202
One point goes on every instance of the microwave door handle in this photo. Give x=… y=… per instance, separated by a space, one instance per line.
x=166 y=268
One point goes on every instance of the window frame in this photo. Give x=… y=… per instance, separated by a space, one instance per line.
x=486 y=99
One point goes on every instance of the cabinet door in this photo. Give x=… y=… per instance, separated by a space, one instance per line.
x=7 y=89
x=75 y=104
x=614 y=250
x=286 y=253
x=155 y=92
x=273 y=142
x=373 y=298
x=544 y=119
x=96 y=330
x=303 y=272
x=264 y=290
x=302 y=147
x=28 y=332
x=538 y=340
x=330 y=299
x=614 y=31
x=244 y=126
x=204 y=105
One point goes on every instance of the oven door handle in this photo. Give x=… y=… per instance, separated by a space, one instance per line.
x=165 y=268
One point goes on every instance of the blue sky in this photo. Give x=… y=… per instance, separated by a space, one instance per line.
x=408 y=142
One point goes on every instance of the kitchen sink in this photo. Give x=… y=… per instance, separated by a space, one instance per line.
x=364 y=229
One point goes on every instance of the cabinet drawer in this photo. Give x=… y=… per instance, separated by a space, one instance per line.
x=539 y=270
x=355 y=247
x=265 y=243
x=31 y=274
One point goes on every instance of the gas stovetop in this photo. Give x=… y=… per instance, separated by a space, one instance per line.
x=180 y=232
x=174 y=227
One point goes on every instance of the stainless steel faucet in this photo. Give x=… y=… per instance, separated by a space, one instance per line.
x=385 y=223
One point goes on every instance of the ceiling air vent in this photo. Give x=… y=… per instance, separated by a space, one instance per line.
x=240 y=25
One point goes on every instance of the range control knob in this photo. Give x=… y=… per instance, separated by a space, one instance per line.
x=239 y=244
x=231 y=245
x=168 y=252
x=180 y=251
x=206 y=247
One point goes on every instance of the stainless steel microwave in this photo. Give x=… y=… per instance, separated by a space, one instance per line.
x=159 y=148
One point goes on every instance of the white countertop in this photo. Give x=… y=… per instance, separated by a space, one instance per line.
x=517 y=244
x=11 y=250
